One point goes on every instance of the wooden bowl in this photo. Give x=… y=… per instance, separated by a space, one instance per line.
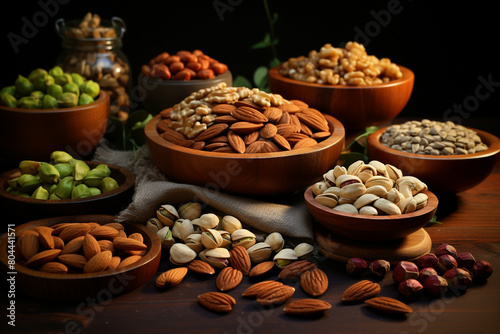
x=445 y=174
x=157 y=94
x=112 y=202
x=80 y=286
x=35 y=133
x=259 y=174
x=370 y=228
x=356 y=107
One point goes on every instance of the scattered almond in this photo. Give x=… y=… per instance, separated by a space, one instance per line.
x=360 y=291
x=314 y=282
x=98 y=263
x=240 y=259
x=388 y=305
x=296 y=269
x=253 y=290
x=261 y=269
x=307 y=307
x=217 y=301
x=171 y=277
x=276 y=295
x=228 y=279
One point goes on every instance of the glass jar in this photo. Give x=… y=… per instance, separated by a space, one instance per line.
x=95 y=53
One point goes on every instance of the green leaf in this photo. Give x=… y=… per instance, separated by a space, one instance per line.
x=369 y=130
x=260 y=77
x=274 y=62
x=350 y=157
x=241 y=81
x=434 y=220
x=265 y=43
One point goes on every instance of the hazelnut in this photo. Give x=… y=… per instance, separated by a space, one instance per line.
x=458 y=278
x=427 y=260
x=410 y=288
x=446 y=249
x=356 y=266
x=435 y=285
x=446 y=262
x=465 y=260
x=380 y=267
x=482 y=270
x=426 y=272
x=404 y=270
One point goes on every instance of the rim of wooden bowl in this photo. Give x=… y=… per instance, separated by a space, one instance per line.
x=129 y=183
x=102 y=99
x=492 y=141
x=154 y=247
x=338 y=134
x=432 y=204
x=408 y=75
x=170 y=82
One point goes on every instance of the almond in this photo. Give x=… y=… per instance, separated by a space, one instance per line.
x=99 y=262
x=268 y=131
x=284 y=119
x=296 y=269
x=276 y=295
x=228 y=279
x=227 y=119
x=217 y=301
x=128 y=261
x=223 y=109
x=171 y=277
x=216 y=146
x=290 y=108
x=314 y=282
x=249 y=114
x=295 y=121
x=262 y=269
x=305 y=142
x=211 y=132
x=90 y=246
x=314 y=120
x=253 y=290
x=73 y=246
x=54 y=267
x=26 y=231
x=104 y=232
x=281 y=142
x=256 y=147
x=45 y=236
x=243 y=127
x=176 y=138
x=74 y=230
x=285 y=129
x=58 y=242
x=106 y=245
x=295 y=137
x=388 y=305
x=321 y=135
x=30 y=245
x=360 y=291
x=165 y=113
x=200 y=267
x=248 y=103
x=199 y=145
x=301 y=104
x=306 y=130
x=114 y=263
x=240 y=259
x=273 y=114
x=77 y=261
x=137 y=236
x=307 y=307
x=43 y=257
x=251 y=137
x=163 y=125
x=127 y=244
x=236 y=142
x=57 y=228
x=116 y=226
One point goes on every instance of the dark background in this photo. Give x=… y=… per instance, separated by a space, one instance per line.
x=449 y=45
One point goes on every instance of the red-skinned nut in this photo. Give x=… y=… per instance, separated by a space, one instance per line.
x=380 y=267
x=446 y=249
x=446 y=262
x=356 y=266
x=465 y=260
x=458 y=278
x=427 y=260
x=426 y=272
x=482 y=270
x=405 y=270
x=435 y=286
x=410 y=288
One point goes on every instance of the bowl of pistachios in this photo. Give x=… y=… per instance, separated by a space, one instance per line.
x=64 y=186
x=448 y=157
x=48 y=110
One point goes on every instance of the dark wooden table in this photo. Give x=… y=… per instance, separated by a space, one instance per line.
x=470 y=221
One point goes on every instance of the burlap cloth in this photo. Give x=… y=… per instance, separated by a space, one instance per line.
x=287 y=215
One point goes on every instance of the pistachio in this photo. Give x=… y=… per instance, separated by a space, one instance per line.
x=182 y=228
x=166 y=239
x=80 y=191
x=285 y=257
x=211 y=238
x=303 y=250
x=64 y=187
x=40 y=193
x=208 y=221
x=167 y=214
x=231 y=223
x=193 y=241
x=190 y=210
x=29 y=167
x=60 y=157
x=48 y=173
x=216 y=257
x=275 y=241
x=154 y=225
x=181 y=254
x=368 y=210
x=226 y=239
x=243 y=237
x=347 y=208
x=259 y=252
x=80 y=170
x=108 y=184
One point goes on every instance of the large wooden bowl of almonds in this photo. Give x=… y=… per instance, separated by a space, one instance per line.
x=443 y=173
x=256 y=168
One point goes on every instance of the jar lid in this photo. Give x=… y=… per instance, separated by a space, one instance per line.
x=107 y=30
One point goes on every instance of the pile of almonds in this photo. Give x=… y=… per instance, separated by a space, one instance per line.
x=240 y=120
x=78 y=247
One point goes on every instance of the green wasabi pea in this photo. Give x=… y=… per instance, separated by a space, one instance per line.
x=64 y=187
x=8 y=100
x=50 y=102
x=62 y=79
x=37 y=72
x=71 y=87
x=60 y=157
x=64 y=169
x=48 y=173
x=9 y=90
x=37 y=94
x=24 y=87
x=77 y=78
x=67 y=100
x=91 y=88
x=28 y=102
x=54 y=90
x=40 y=193
x=55 y=71
x=80 y=191
x=85 y=99
x=108 y=184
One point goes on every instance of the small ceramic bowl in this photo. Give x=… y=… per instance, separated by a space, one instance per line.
x=157 y=94
x=356 y=107
x=442 y=174
x=80 y=286
x=260 y=174
x=112 y=202
x=371 y=228
x=35 y=133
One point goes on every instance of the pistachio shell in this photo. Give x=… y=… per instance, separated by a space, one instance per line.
x=329 y=200
x=379 y=180
x=364 y=200
x=352 y=191
x=167 y=214
x=366 y=172
x=344 y=200
x=211 y=238
x=339 y=170
x=421 y=200
x=275 y=241
x=226 y=239
x=387 y=206
x=231 y=223
x=154 y=224
x=334 y=190
x=347 y=208
x=190 y=210
x=166 y=239
x=394 y=196
x=319 y=187
x=355 y=167
x=408 y=205
x=380 y=167
x=181 y=254
x=216 y=257
x=368 y=210
x=418 y=185
x=378 y=190
x=193 y=241
x=259 y=252
x=393 y=172
x=346 y=178
x=182 y=228
x=243 y=237
x=208 y=221
x=285 y=257
x=303 y=250
x=329 y=177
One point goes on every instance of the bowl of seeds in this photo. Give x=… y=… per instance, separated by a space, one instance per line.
x=446 y=156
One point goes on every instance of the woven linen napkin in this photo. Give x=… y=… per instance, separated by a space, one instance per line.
x=287 y=215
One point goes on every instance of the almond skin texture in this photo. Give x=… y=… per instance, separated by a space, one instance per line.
x=115 y=262
x=262 y=269
x=275 y=296
x=45 y=236
x=43 y=257
x=249 y=114
x=200 y=267
x=236 y=142
x=360 y=291
x=171 y=277
x=30 y=244
x=58 y=242
x=296 y=269
x=54 y=267
x=253 y=290
x=104 y=232
x=228 y=279
x=73 y=246
x=240 y=259
x=314 y=282
x=388 y=305
x=74 y=230
x=128 y=261
x=98 y=263
x=90 y=246
x=77 y=261
x=128 y=244
x=217 y=301
x=307 y=307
